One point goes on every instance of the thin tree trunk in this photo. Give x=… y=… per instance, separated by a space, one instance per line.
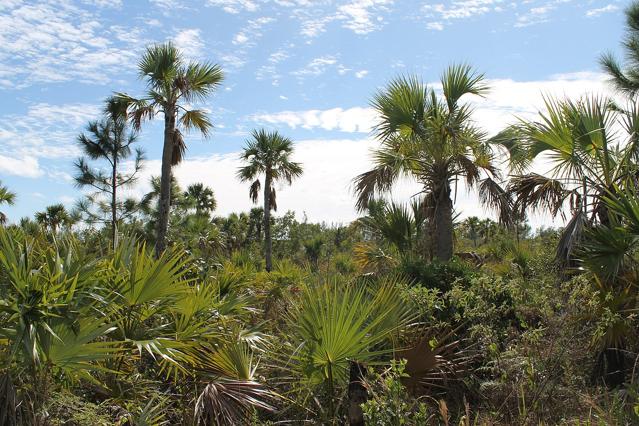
x=443 y=224
x=268 y=244
x=165 y=182
x=114 y=214
x=357 y=394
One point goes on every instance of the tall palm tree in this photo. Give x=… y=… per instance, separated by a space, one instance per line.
x=172 y=85
x=626 y=80
x=6 y=197
x=268 y=154
x=53 y=217
x=202 y=198
x=107 y=141
x=434 y=141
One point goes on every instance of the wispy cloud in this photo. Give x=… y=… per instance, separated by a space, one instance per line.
x=460 y=9
x=235 y=6
x=55 y=41
x=317 y=66
x=252 y=32
x=593 y=13
x=45 y=131
x=25 y=166
x=189 y=41
x=359 y=16
x=351 y=120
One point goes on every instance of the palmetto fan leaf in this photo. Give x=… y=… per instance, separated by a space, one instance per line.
x=160 y=64
x=6 y=197
x=337 y=322
x=232 y=392
x=228 y=402
x=201 y=81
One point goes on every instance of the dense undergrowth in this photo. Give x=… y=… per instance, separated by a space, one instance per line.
x=120 y=337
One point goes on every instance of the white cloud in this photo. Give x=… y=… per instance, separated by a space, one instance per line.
x=44 y=131
x=235 y=6
x=459 y=9
x=53 y=41
x=249 y=35
x=506 y=100
x=116 y=4
x=593 y=13
x=27 y=166
x=351 y=120
x=509 y=98
x=435 y=26
x=317 y=66
x=359 y=16
x=240 y=38
x=362 y=16
x=189 y=42
x=361 y=73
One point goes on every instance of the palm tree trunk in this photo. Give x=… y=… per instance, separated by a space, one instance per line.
x=268 y=244
x=443 y=224
x=114 y=215
x=165 y=181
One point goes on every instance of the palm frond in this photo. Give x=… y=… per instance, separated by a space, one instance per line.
x=196 y=119
x=493 y=195
x=179 y=148
x=459 y=80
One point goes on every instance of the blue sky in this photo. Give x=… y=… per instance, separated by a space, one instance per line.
x=304 y=67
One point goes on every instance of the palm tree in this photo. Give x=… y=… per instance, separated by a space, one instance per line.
x=471 y=227
x=256 y=220
x=108 y=141
x=268 y=154
x=53 y=217
x=589 y=157
x=6 y=197
x=202 y=197
x=398 y=224
x=626 y=81
x=150 y=203
x=172 y=86
x=434 y=141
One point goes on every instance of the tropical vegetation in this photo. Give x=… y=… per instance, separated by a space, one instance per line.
x=159 y=310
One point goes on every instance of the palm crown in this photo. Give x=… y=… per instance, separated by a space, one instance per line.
x=171 y=81
x=6 y=197
x=268 y=154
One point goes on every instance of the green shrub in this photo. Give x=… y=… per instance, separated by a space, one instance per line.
x=438 y=275
x=389 y=403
